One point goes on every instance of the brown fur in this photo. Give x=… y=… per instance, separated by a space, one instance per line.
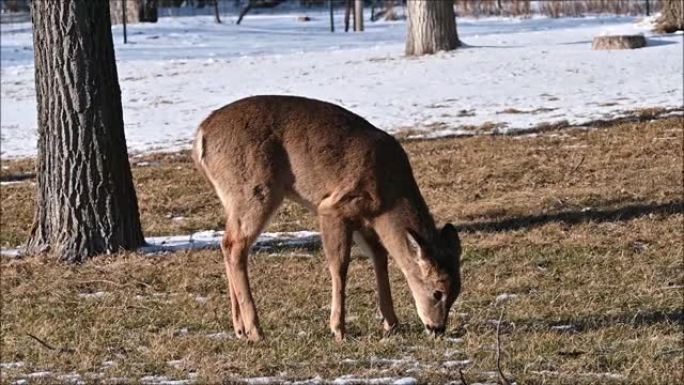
x=356 y=178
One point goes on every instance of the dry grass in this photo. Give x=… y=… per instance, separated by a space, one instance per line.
x=584 y=226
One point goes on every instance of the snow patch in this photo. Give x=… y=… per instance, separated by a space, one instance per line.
x=505 y=297
x=564 y=328
x=456 y=363
x=218 y=336
x=212 y=240
x=11 y=365
x=351 y=380
x=163 y=380
x=96 y=295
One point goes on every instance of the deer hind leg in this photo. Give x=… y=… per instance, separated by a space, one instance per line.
x=238 y=326
x=336 y=236
x=245 y=222
x=370 y=244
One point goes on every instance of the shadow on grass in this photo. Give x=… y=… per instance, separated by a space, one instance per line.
x=575 y=217
x=600 y=321
x=17 y=177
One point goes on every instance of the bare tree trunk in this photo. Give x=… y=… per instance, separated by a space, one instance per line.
x=672 y=16
x=431 y=27
x=244 y=12
x=358 y=16
x=332 y=16
x=347 y=11
x=86 y=200
x=217 y=16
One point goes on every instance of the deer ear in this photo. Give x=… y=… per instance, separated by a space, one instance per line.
x=416 y=244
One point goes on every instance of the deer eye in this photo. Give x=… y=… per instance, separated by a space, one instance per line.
x=437 y=295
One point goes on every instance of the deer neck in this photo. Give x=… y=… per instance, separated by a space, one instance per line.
x=392 y=225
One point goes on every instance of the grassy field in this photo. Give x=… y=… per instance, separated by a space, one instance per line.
x=575 y=234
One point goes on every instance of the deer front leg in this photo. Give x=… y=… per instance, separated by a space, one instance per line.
x=379 y=258
x=390 y=321
x=336 y=236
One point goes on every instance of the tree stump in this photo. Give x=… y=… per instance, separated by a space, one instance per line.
x=618 y=42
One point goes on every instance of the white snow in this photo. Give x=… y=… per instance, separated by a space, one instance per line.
x=598 y=376
x=15 y=182
x=505 y=297
x=162 y=380
x=218 y=336
x=351 y=380
x=96 y=295
x=11 y=365
x=456 y=363
x=343 y=380
x=41 y=374
x=513 y=74
x=211 y=240
x=563 y=328
x=263 y=380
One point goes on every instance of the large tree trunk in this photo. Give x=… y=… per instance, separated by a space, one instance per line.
x=431 y=27
x=672 y=17
x=86 y=200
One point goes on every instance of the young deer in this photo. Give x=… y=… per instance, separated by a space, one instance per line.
x=354 y=177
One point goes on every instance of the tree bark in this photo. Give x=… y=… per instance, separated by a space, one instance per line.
x=671 y=17
x=358 y=16
x=86 y=200
x=136 y=11
x=431 y=27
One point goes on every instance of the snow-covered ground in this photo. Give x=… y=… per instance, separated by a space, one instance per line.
x=514 y=74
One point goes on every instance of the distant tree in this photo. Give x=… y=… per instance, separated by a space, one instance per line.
x=358 y=16
x=86 y=200
x=256 y=4
x=431 y=27
x=244 y=11
x=136 y=11
x=347 y=10
x=672 y=16
x=217 y=16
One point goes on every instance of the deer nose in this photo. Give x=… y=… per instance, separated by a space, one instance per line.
x=435 y=330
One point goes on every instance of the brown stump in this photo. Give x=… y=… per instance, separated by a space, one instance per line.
x=619 y=42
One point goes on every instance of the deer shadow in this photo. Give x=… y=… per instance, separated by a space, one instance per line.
x=575 y=217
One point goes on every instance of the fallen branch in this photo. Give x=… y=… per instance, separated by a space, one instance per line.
x=48 y=346
x=576 y=166
x=502 y=378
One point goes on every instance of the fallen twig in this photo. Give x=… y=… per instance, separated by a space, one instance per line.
x=576 y=166
x=502 y=379
x=48 y=346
